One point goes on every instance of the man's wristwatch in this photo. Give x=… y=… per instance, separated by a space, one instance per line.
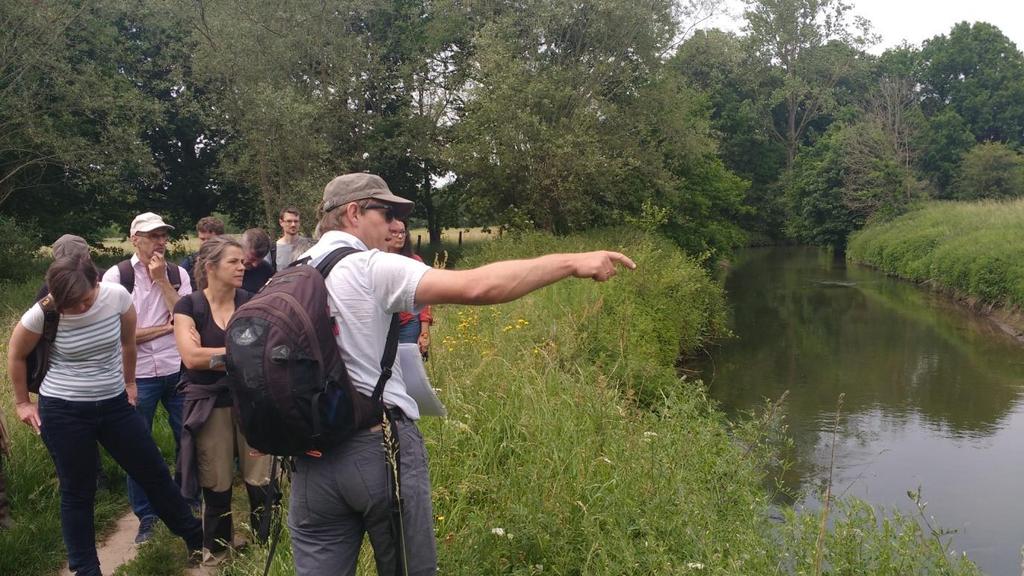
x=217 y=361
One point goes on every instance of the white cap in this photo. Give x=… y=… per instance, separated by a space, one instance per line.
x=147 y=222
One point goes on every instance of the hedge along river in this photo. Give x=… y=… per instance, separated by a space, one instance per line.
x=933 y=394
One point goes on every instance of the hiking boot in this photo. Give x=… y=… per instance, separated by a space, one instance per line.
x=147 y=526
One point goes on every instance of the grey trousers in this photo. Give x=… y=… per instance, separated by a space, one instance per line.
x=339 y=497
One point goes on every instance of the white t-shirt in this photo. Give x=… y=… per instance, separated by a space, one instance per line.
x=85 y=361
x=365 y=289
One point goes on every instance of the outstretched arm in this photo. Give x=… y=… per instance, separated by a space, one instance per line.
x=511 y=279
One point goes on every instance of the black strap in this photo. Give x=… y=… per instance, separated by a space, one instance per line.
x=127 y=275
x=387 y=361
x=51 y=318
x=273 y=255
x=269 y=509
x=394 y=446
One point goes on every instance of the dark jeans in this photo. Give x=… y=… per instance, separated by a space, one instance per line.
x=152 y=391
x=70 y=431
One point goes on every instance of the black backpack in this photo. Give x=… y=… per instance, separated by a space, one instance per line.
x=38 y=360
x=286 y=374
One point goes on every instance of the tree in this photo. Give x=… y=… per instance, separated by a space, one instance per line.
x=719 y=64
x=990 y=170
x=71 y=120
x=942 y=142
x=979 y=73
x=812 y=46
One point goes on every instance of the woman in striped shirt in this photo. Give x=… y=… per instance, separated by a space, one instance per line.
x=84 y=398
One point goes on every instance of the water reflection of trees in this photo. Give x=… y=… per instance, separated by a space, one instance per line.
x=889 y=346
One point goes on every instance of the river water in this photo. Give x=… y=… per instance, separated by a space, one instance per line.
x=933 y=394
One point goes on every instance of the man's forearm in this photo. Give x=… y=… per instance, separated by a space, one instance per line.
x=151 y=333
x=168 y=293
x=506 y=281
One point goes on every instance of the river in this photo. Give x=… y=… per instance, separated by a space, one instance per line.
x=932 y=393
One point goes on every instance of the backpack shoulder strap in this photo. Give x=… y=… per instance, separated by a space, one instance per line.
x=387 y=361
x=332 y=259
x=127 y=273
x=174 y=275
x=51 y=318
x=273 y=256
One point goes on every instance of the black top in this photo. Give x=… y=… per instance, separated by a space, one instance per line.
x=255 y=278
x=197 y=307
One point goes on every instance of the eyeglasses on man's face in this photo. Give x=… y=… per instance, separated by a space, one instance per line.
x=154 y=236
x=388 y=211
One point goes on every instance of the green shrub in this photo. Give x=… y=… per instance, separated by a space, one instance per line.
x=19 y=245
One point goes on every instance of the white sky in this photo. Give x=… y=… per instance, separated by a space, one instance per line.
x=915 y=20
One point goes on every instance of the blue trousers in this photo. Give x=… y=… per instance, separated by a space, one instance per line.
x=152 y=391
x=70 y=431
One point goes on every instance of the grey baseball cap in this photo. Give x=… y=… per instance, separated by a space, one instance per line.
x=70 y=245
x=360 y=186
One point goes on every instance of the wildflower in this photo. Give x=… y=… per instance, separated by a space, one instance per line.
x=650 y=434
x=605 y=460
x=694 y=565
x=498 y=531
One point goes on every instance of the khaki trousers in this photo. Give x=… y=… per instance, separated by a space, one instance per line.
x=217 y=444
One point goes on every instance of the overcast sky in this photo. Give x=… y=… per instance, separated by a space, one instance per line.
x=916 y=20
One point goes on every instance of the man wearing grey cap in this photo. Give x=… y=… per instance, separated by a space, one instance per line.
x=155 y=286
x=343 y=493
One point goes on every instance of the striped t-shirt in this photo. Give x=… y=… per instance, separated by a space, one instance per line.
x=85 y=362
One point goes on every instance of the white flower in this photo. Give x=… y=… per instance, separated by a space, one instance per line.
x=498 y=531
x=694 y=565
x=650 y=434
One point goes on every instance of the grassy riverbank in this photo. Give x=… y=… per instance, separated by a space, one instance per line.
x=573 y=447
x=973 y=250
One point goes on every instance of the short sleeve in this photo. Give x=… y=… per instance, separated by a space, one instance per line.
x=122 y=299
x=112 y=275
x=33 y=319
x=184 y=306
x=393 y=279
x=186 y=283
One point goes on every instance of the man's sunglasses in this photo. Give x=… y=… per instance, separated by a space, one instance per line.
x=389 y=211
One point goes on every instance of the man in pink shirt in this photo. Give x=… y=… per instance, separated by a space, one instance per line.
x=155 y=286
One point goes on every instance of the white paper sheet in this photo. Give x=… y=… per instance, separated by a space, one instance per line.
x=417 y=384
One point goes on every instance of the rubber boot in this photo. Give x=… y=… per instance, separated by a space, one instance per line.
x=217 y=531
x=259 y=519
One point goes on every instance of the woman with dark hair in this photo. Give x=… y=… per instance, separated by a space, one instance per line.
x=211 y=437
x=87 y=396
x=413 y=328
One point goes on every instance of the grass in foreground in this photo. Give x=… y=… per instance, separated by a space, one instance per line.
x=974 y=250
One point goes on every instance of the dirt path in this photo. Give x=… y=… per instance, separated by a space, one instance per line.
x=119 y=548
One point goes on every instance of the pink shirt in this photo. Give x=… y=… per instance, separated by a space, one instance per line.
x=159 y=356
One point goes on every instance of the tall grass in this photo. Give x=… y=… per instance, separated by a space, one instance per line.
x=974 y=250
